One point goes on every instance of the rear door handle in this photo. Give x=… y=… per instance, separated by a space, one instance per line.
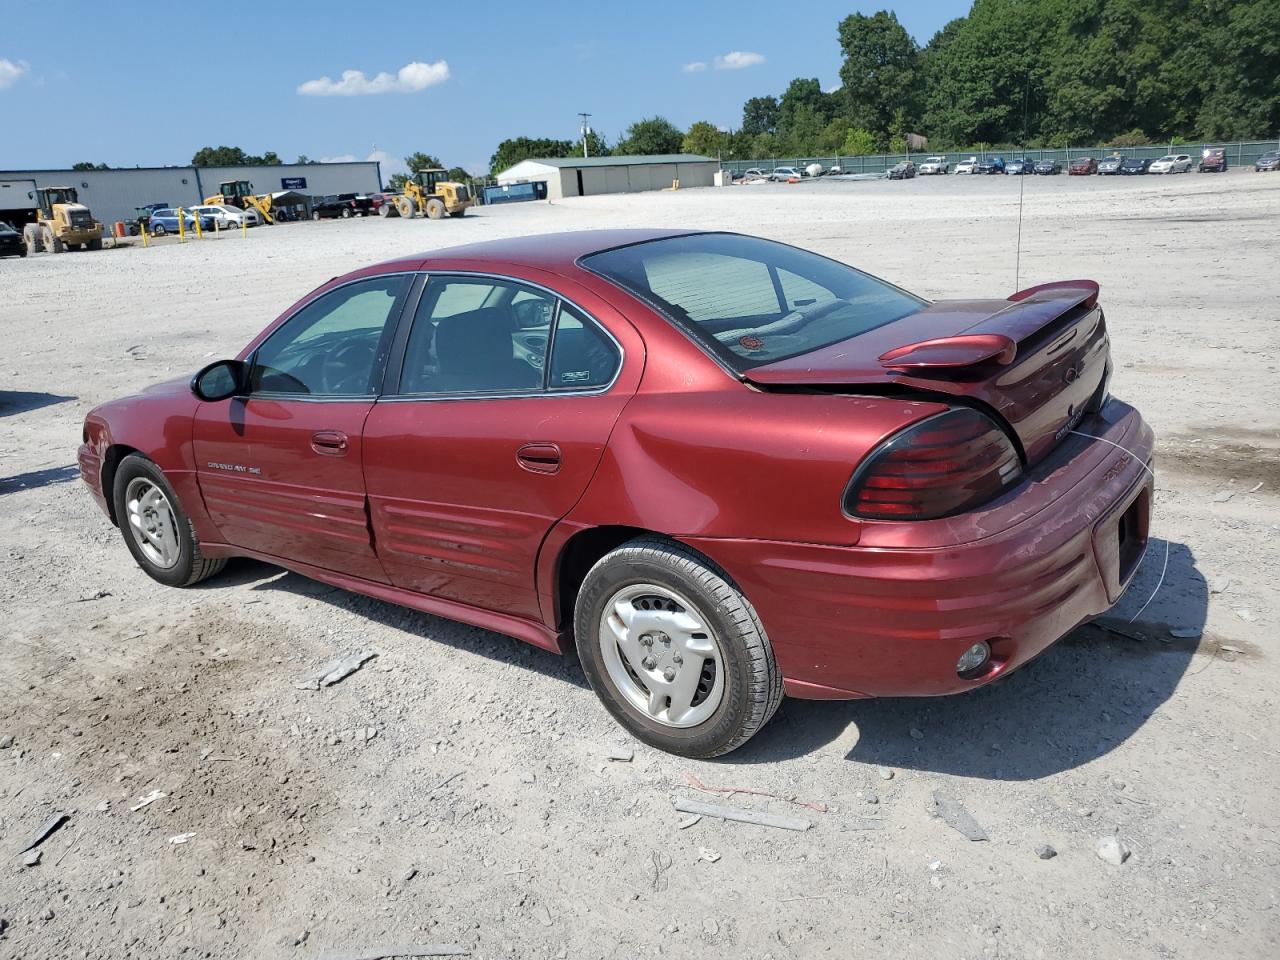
x=539 y=457
x=331 y=443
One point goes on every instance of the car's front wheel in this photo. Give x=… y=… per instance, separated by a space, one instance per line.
x=155 y=527
x=674 y=650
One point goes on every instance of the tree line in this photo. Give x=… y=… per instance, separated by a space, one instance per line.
x=1039 y=73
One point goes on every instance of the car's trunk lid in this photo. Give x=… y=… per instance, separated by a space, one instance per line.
x=1037 y=360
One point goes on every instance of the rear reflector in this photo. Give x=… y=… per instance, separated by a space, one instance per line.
x=935 y=468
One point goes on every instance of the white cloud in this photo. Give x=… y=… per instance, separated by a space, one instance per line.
x=737 y=59
x=11 y=71
x=410 y=78
x=696 y=67
x=390 y=164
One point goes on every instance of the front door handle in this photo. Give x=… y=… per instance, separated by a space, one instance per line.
x=539 y=457
x=331 y=443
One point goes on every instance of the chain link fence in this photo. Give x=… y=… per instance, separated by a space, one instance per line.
x=1238 y=155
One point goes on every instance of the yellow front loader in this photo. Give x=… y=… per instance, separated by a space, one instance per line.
x=430 y=193
x=62 y=223
x=239 y=193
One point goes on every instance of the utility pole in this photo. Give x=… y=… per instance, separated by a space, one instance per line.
x=585 y=130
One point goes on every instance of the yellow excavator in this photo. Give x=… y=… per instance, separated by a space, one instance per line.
x=239 y=193
x=62 y=223
x=430 y=193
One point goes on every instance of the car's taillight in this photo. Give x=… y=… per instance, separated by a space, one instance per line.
x=935 y=468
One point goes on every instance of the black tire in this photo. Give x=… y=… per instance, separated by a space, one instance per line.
x=459 y=213
x=158 y=230
x=753 y=683
x=346 y=213
x=315 y=215
x=190 y=567
x=94 y=245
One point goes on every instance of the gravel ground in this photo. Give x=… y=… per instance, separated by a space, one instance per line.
x=457 y=789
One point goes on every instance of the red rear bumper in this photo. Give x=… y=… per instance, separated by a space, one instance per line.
x=891 y=616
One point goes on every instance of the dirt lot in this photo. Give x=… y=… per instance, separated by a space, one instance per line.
x=457 y=789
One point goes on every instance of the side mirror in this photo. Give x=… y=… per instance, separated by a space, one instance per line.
x=220 y=380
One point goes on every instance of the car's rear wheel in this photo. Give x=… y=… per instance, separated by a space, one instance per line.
x=159 y=230
x=156 y=528
x=315 y=214
x=346 y=213
x=674 y=650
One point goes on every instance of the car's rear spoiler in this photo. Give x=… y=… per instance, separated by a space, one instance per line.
x=996 y=338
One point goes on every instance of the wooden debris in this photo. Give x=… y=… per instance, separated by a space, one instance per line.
x=758 y=817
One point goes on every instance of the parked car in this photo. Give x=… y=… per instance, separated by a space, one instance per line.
x=1171 y=163
x=331 y=207
x=227 y=217
x=867 y=536
x=754 y=173
x=1109 y=166
x=1132 y=166
x=1213 y=160
x=363 y=203
x=967 y=166
x=165 y=220
x=1268 y=161
x=11 y=242
x=991 y=165
x=1082 y=167
x=933 y=166
x=786 y=173
x=902 y=171
x=1048 y=168
x=1017 y=167
x=834 y=170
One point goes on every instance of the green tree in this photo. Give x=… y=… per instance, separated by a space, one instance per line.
x=706 y=139
x=459 y=174
x=397 y=181
x=303 y=159
x=760 y=115
x=232 y=157
x=85 y=165
x=512 y=151
x=858 y=143
x=879 y=75
x=652 y=135
x=421 y=161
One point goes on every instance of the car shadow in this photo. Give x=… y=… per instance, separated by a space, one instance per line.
x=13 y=402
x=260 y=576
x=1078 y=700
x=34 y=479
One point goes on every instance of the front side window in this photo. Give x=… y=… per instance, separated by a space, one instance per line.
x=752 y=301
x=335 y=346
x=478 y=336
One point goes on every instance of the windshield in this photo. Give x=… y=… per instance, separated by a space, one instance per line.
x=752 y=301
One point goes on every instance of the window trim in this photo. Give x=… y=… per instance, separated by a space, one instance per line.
x=393 y=322
x=395 y=363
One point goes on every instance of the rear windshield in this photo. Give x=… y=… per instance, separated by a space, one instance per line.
x=752 y=301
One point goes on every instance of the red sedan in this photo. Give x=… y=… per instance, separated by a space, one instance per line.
x=725 y=468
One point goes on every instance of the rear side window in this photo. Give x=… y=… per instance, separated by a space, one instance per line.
x=485 y=336
x=752 y=301
x=477 y=336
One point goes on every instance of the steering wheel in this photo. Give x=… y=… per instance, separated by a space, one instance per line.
x=346 y=370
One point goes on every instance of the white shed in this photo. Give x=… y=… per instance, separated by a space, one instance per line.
x=587 y=176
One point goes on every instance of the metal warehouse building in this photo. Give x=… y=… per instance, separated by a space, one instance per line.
x=587 y=176
x=113 y=194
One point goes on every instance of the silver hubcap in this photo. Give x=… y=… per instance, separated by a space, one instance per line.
x=661 y=655
x=151 y=522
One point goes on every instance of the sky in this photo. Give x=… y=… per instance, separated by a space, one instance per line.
x=152 y=82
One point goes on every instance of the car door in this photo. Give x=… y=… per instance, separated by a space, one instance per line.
x=504 y=401
x=281 y=468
